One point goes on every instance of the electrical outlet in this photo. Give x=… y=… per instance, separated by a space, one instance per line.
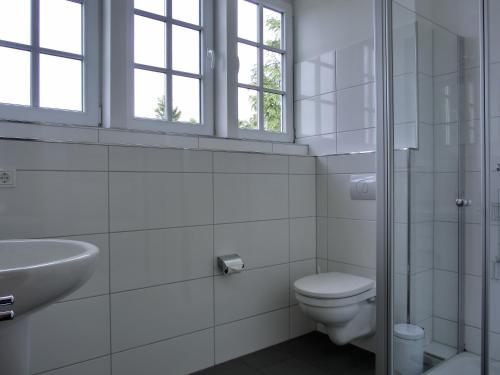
x=7 y=177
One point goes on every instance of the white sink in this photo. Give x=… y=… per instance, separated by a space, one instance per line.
x=33 y=274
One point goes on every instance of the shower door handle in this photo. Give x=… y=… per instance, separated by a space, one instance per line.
x=462 y=202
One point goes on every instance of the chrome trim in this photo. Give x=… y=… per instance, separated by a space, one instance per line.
x=7 y=315
x=485 y=181
x=385 y=163
x=7 y=300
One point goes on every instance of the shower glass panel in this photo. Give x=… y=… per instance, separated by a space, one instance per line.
x=493 y=109
x=437 y=177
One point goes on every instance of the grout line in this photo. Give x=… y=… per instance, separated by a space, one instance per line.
x=213 y=255
x=109 y=265
x=289 y=254
x=74 y=364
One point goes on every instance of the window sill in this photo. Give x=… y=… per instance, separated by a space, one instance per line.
x=93 y=135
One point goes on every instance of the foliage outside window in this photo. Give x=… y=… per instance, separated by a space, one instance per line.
x=261 y=59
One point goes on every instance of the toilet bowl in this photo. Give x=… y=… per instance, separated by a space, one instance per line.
x=343 y=303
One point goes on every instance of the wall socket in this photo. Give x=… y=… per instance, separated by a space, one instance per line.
x=7 y=177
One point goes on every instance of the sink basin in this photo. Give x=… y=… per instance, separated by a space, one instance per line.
x=34 y=274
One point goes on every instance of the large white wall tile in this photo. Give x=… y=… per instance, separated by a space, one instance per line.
x=356 y=64
x=354 y=270
x=494 y=31
x=321 y=195
x=302 y=195
x=57 y=341
x=494 y=90
x=322 y=237
x=149 y=159
x=45 y=203
x=352 y=242
x=261 y=243
x=98 y=284
x=52 y=156
x=325 y=144
x=473 y=252
x=258 y=332
x=302 y=165
x=445 y=193
x=302 y=238
x=472 y=104
x=300 y=324
x=405 y=98
x=164 y=312
x=250 y=293
x=421 y=305
x=446 y=147
x=422 y=246
x=340 y=204
x=446 y=246
x=445 y=51
x=247 y=197
x=232 y=162
x=445 y=332
x=315 y=76
x=356 y=108
x=445 y=301
x=316 y=115
x=180 y=355
x=146 y=258
x=356 y=163
x=356 y=141
x=298 y=270
x=159 y=200
x=446 y=98
x=99 y=366
x=473 y=304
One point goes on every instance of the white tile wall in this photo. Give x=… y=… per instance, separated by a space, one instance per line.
x=171 y=212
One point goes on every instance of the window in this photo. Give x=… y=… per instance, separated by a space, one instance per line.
x=168 y=66
x=48 y=73
x=263 y=72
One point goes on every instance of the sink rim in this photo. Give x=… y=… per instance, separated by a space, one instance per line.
x=89 y=250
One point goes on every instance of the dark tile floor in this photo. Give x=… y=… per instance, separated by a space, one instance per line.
x=312 y=354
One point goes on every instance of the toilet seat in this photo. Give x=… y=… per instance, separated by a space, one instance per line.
x=333 y=289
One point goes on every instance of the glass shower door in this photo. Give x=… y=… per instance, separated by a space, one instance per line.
x=437 y=179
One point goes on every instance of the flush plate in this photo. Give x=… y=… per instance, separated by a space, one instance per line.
x=7 y=177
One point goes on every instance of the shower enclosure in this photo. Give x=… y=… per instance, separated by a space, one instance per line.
x=439 y=186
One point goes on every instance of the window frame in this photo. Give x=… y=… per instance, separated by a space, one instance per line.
x=123 y=61
x=287 y=133
x=90 y=114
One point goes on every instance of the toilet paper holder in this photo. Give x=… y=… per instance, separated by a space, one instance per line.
x=231 y=263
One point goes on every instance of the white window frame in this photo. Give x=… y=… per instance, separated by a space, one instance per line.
x=119 y=70
x=90 y=114
x=227 y=79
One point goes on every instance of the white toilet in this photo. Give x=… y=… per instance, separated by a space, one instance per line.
x=343 y=303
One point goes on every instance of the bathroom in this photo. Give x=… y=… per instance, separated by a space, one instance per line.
x=249 y=187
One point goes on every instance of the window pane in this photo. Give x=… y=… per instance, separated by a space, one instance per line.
x=152 y=6
x=272 y=28
x=149 y=41
x=186 y=10
x=15 y=21
x=247 y=20
x=186 y=49
x=15 y=76
x=248 y=73
x=272 y=112
x=61 y=25
x=60 y=83
x=272 y=70
x=149 y=94
x=186 y=99
x=248 y=103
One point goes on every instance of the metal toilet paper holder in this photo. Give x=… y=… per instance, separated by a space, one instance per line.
x=231 y=263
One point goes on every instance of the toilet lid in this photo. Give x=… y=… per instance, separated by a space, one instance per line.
x=333 y=285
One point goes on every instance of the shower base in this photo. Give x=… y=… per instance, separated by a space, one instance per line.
x=463 y=364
